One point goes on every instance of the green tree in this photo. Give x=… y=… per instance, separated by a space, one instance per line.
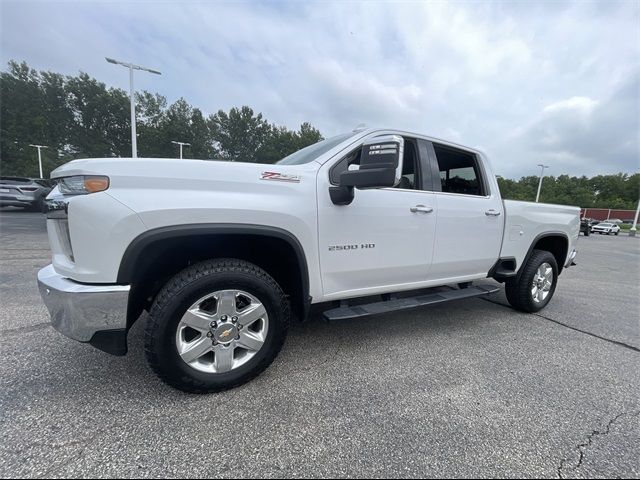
x=240 y=133
x=102 y=126
x=33 y=109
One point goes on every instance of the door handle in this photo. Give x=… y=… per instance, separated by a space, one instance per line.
x=492 y=213
x=421 y=209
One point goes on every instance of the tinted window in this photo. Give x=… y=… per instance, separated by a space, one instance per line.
x=459 y=172
x=310 y=153
x=15 y=181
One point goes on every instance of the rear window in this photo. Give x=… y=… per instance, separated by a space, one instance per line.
x=459 y=171
x=14 y=181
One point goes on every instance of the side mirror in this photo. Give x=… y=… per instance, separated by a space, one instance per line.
x=380 y=166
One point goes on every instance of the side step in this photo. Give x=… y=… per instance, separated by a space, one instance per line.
x=346 y=312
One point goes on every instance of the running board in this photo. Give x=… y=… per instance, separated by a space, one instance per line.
x=346 y=312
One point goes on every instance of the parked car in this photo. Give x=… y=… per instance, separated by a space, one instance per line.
x=585 y=226
x=605 y=227
x=28 y=193
x=223 y=254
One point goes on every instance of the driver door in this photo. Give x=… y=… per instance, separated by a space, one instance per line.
x=383 y=240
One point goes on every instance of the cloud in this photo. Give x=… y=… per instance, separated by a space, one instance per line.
x=521 y=80
x=576 y=104
x=588 y=135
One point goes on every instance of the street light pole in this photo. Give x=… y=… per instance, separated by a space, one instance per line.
x=132 y=67
x=542 y=167
x=132 y=98
x=39 y=147
x=181 y=145
x=632 y=232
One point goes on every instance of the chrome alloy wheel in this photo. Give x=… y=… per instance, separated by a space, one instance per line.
x=542 y=283
x=222 y=331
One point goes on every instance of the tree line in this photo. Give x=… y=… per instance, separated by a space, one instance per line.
x=80 y=117
x=602 y=191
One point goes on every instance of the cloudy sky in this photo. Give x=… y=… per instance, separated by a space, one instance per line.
x=554 y=82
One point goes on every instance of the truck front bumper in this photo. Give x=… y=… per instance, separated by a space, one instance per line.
x=95 y=314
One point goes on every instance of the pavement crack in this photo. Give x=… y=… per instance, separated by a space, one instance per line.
x=575 y=329
x=584 y=446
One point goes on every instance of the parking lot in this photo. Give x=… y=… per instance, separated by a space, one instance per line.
x=463 y=389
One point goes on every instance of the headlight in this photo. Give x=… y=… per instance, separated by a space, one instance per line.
x=82 y=184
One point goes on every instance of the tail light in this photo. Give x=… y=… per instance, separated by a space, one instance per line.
x=28 y=189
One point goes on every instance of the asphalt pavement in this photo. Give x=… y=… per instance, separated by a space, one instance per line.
x=464 y=389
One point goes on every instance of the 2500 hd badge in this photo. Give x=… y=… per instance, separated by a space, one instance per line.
x=336 y=248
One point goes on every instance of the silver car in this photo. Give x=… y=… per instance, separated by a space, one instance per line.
x=24 y=192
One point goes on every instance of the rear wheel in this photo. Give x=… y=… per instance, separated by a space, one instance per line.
x=215 y=326
x=534 y=288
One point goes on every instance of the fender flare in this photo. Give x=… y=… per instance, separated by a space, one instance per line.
x=126 y=271
x=535 y=241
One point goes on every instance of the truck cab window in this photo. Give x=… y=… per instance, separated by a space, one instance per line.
x=409 y=163
x=459 y=172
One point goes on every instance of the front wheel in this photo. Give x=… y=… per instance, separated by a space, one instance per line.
x=534 y=288
x=216 y=325
x=616 y=233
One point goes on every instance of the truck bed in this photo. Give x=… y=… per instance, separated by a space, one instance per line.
x=525 y=221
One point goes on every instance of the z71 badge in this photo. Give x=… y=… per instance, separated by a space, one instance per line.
x=282 y=177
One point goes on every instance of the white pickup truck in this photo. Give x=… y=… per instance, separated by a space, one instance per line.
x=222 y=254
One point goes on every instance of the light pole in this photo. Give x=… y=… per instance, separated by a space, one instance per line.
x=132 y=67
x=632 y=232
x=39 y=147
x=542 y=167
x=181 y=145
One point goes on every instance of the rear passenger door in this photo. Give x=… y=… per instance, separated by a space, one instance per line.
x=470 y=216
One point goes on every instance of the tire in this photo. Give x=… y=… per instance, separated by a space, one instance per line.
x=616 y=233
x=195 y=283
x=519 y=289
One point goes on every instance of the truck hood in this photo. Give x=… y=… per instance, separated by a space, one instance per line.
x=169 y=172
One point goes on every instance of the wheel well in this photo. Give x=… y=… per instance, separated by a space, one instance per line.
x=557 y=245
x=147 y=268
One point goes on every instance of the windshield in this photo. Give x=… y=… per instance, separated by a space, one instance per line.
x=312 y=152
